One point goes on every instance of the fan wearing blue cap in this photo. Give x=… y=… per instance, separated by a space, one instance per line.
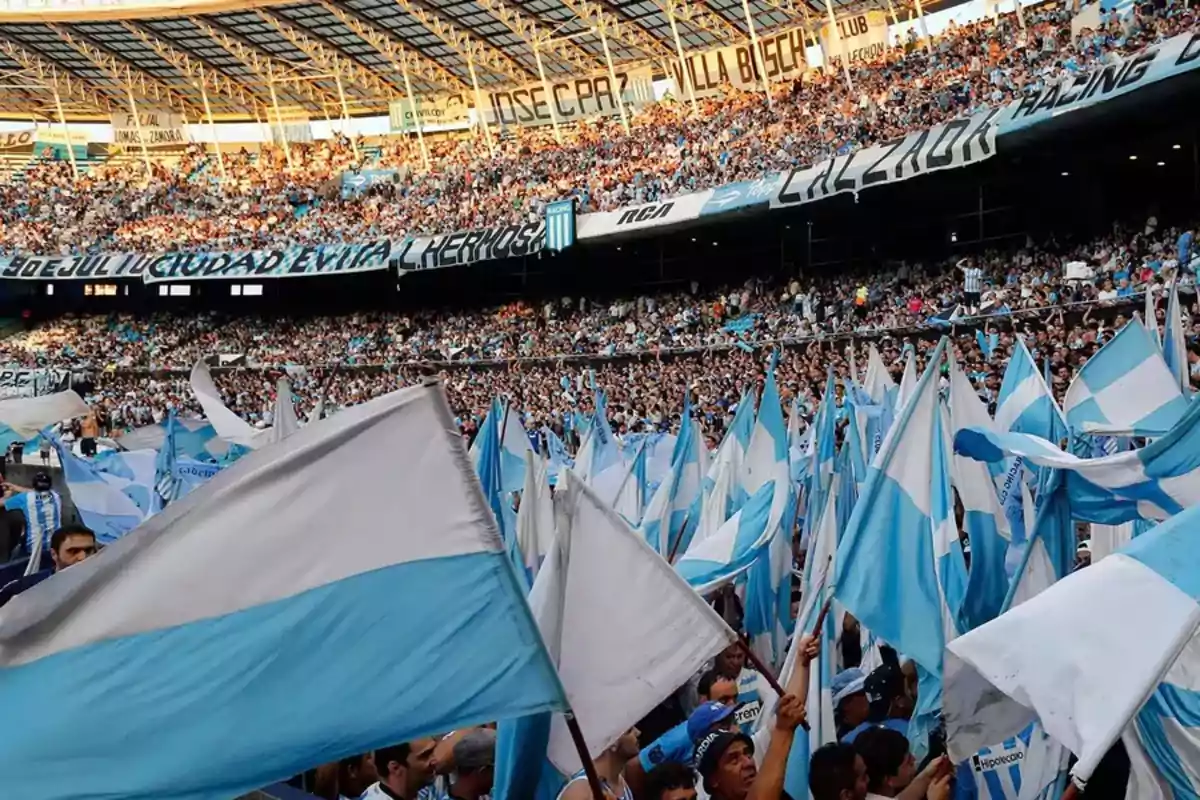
x=677 y=746
x=850 y=705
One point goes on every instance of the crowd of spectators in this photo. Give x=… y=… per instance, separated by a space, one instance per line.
x=646 y=351
x=265 y=201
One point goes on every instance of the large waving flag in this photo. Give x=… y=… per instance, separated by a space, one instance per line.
x=983 y=517
x=178 y=638
x=1110 y=645
x=1126 y=388
x=711 y=563
x=1174 y=346
x=900 y=567
x=194 y=438
x=227 y=424
x=1152 y=482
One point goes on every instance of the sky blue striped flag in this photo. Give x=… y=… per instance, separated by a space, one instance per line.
x=166 y=479
x=178 y=638
x=908 y=380
x=599 y=450
x=630 y=500
x=768 y=617
x=1025 y=403
x=1150 y=318
x=1174 y=347
x=1151 y=482
x=900 y=568
x=823 y=446
x=674 y=511
x=1126 y=388
x=983 y=517
x=710 y=563
x=556 y=452
x=723 y=493
x=113 y=494
x=486 y=456
x=514 y=444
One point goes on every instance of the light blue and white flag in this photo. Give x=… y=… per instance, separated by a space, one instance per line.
x=1085 y=655
x=630 y=500
x=178 y=637
x=558 y=457
x=673 y=514
x=166 y=484
x=1025 y=403
x=908 y=381
x=1126 y=388
x=878 y=383
x=486 y=458
x=535 y=517
x=1150 y=317
x=599 y=450
x=194 y=438
x=1151 y=482
x=1174 y=347
x=114 y=494
x=983 y=517
x=900 y=567
x=713 y=562
x=514 y=444
x=823 y=446
x=723 y=493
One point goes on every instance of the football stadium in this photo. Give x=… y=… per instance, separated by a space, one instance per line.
x=599 y=399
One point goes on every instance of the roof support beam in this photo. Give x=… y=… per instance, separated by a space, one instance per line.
x=532 y=32
x=134 y=79
x=397 y=54
x=622 y=30
x=211 y=78
x=467 y=46
x=267 y=68
x=68 y=85
x=367 y=83
x=701 y=17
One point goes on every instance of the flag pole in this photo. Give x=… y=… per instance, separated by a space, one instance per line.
x=589 y=768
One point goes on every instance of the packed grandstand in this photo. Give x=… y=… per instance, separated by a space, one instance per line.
x=686 y=347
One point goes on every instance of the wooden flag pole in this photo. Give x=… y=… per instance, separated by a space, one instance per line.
x=1072 y=792
x=589 y=768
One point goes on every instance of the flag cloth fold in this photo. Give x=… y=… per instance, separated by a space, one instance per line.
x=28 y=416
x=113 y=493
x=231 y=604
x=1085 y=654
x=228 y=425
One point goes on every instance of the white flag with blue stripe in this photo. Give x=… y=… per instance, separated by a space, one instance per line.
x=723 y=492
x=900 y=568
x=630 y=499
x=113 y=494
x=1025 y=403
x=1085 y=655
x=1151 y=482
x=673 y=514
x=908 y=381
x=1126 y=388
x=878 y=383
x=1150 y=316
x=711 y=563
x=983 y=517
x=1174 y=348
x=231 y=605
x=535 y=517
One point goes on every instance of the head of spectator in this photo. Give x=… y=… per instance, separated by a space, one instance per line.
x=850 y=705
x=71 y=544
x=406 y=768
x=671 y=782
x=730 y=661
x=725 y=761
x=890 y=765
x=474 y=765
x=356 y=774
x=717 y=688
x=887 y=693
x=837 y=772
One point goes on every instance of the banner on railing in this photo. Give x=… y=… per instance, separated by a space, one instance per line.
x=1175 y=56
x=33 y=382
x=355 y=183
x=715 y=72
x=957 y=143
x=864 y=36
x=648 y=215
x=573 y=99
x=741 y=195
x=152 y=127
x=443 y=111
x=289 y=262
x=469 y=247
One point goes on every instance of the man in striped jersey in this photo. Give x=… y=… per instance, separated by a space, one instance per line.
x=972 y=284
x=999 y=772
x=42 y=508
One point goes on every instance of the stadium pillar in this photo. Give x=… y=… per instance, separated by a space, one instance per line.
x=758 y=58
x=487 y=132
x=137 y=123
x=537 y=54
x=892 y=11
x=345 y=114
x=212 y=126
x=612 y=76
x=924 y=27
x=412 y=107
x=62 y=119
x=287 y=148
x=683 y=67
x=833 y=28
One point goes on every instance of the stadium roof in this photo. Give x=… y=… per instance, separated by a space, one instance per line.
x=96 y=51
